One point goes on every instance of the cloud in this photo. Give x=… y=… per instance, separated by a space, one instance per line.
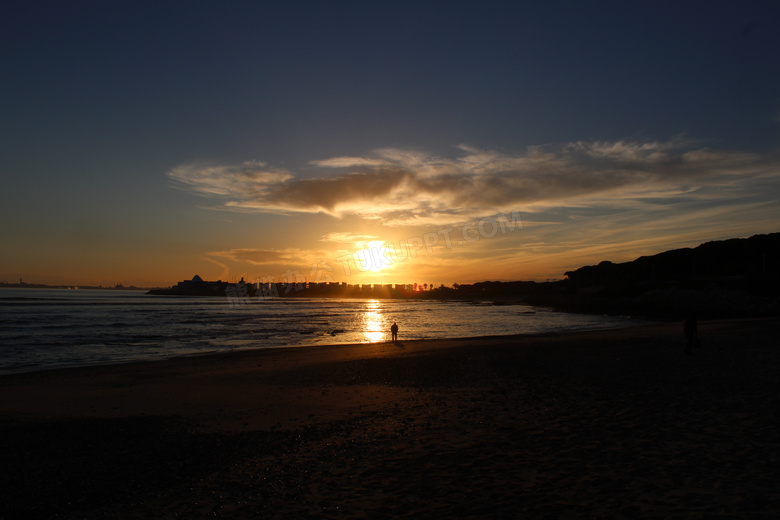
x=225 y=269
x=350 y=162
x=348 y=238
x=253 y=256
x=271 y=258
x=411 y=187
x=248 y=179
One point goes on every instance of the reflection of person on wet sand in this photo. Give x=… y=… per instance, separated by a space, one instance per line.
x=691 y=330
x=394 y=332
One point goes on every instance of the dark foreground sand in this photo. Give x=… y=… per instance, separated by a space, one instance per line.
x=615 y=424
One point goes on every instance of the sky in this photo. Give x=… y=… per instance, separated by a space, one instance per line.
x=143 y=143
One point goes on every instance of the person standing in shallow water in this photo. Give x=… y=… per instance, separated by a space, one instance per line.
x=394 y=332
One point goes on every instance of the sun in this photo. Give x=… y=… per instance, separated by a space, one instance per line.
x=374 y=256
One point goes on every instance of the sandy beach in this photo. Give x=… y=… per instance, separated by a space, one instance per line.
x=602 y=424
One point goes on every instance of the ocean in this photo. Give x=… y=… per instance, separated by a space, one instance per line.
x=50 y=328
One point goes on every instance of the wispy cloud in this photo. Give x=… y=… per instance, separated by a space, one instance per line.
x=411 y=187
x=225 y=270
x=269 y=257
x=348 y=238
x=252 y=256
x=245 y=180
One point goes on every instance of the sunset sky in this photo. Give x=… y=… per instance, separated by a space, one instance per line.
x=436 y=142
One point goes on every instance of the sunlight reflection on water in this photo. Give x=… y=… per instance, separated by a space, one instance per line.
x=375 y=326
x=42 y=328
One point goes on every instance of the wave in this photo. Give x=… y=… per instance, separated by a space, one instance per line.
x=118 y=328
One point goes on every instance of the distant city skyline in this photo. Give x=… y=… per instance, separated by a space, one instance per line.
x=143 y=143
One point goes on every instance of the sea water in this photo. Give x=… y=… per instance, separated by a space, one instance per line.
x=48 y=328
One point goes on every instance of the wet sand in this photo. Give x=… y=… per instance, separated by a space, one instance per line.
x=619 y=424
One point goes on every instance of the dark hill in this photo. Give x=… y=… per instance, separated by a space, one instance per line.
x=739 y=276
x=726 y=262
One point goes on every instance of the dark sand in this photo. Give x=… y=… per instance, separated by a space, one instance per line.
x=604 y=424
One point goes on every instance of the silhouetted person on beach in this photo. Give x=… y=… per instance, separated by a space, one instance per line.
x=394 y=332
x=691 y=330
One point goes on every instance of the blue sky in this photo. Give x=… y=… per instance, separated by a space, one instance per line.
x=146 y=142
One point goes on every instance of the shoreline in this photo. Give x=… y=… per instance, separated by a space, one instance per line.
x=55 y=341
x=616 y=422
x=68 y=366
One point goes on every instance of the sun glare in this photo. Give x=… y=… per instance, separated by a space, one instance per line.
x=374 y=257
